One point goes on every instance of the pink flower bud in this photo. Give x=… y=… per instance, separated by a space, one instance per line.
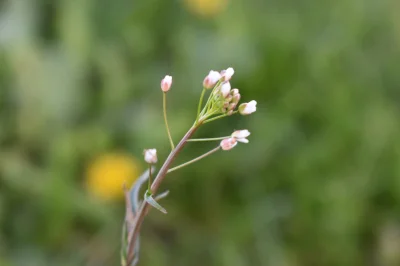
x=166 y=83
x=211 y=79
x=234 y=92
x=236 y=98
x=248 y=108
x=150 y=156
x=241 y=135
x=232 y=106
x=225 y=89
x=227 y=144
x=227 y=74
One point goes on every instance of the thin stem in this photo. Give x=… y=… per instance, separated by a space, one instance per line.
x=215 y=118
x=208 y=139
x=156 y=183
x=149 y=180
x=210 y=97
x=194 y=160
x=218 y=117
x=166 y=121
x=200 y=103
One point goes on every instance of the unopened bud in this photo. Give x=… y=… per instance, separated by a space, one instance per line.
x=234 y=92
x=227 y=74
x=248 y=108
x=166 y=83
x=211 y=79
x=150 y=156
x=236 y=98
x=227 y=144
x=241 y=135
x=232 y=106
x=225 y=89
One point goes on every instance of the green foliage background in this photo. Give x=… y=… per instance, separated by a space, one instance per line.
x=318 y=184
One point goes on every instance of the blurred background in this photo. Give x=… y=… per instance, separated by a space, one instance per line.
x=318 y=184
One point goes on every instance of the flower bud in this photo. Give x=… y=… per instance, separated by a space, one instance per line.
x=236 y=98
x=225 y=89
x=211 y=79
x=248 y=108
x=234 y=92
x=227 y=74
x=241 y=135
x=166 y=83
x=232 y=106
x=150 y=156
x=227 y=144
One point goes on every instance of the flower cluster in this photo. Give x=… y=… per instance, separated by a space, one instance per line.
x=222 y=101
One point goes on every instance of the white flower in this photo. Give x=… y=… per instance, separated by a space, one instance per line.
x=241 y=135
x=227 y=144
x=225 y=89
x=166 y=83
x=248 y=108
x=150 y=156
x=211 y=79
x=227 y=74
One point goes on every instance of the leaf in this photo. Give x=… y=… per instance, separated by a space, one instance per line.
x=150 y=200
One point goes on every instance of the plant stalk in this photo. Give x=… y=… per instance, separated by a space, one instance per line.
x=154 y=187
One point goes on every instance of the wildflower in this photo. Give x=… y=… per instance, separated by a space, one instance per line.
x=106 y=174
x=166 y=83
x=211 y=79
x=225 y=89
x=227 y=74
x=206 y=8
x=150 y=156
x=241 y=135
x=227 y=144
x=248 y=108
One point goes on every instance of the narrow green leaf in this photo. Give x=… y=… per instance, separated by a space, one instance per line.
x=150 y=200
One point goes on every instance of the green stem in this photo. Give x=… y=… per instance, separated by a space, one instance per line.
x=218 y=117
x=206 y=106
x=209 y=139
x=166 y=121
x=215 y=118
x=194 y=160
x=149 y=180
x=200 y=103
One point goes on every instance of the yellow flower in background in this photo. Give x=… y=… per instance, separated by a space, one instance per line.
x=206 y=8
x=106 y=175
